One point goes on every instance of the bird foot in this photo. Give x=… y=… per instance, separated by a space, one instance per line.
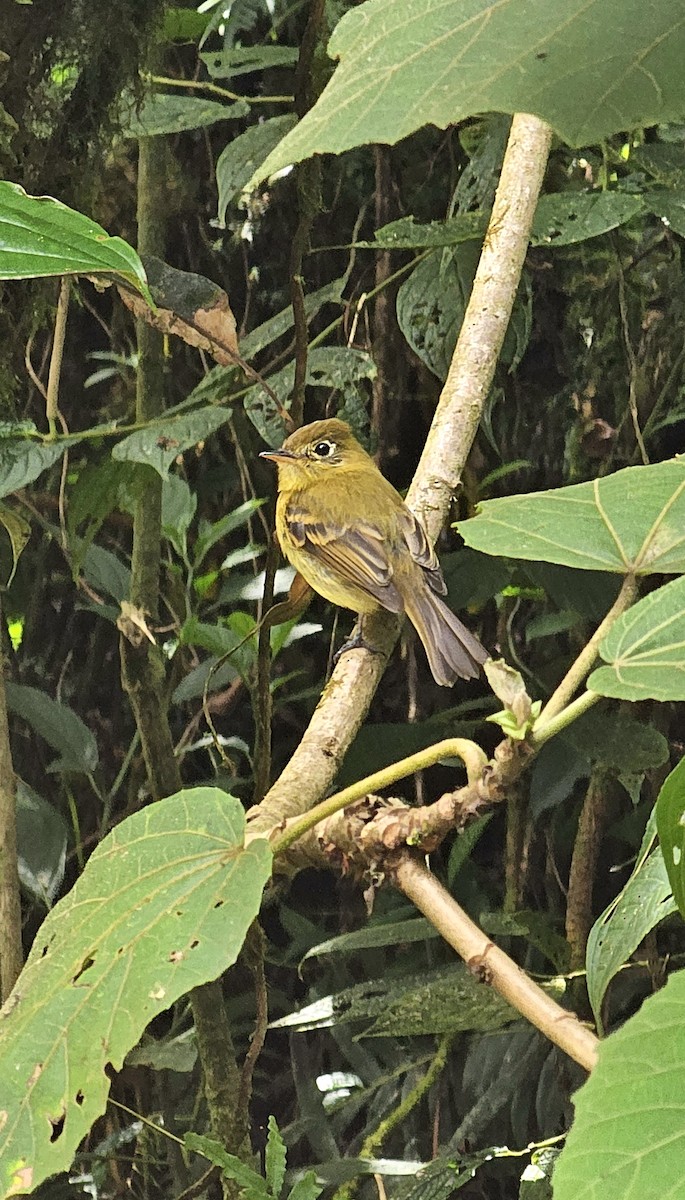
x=356 y=641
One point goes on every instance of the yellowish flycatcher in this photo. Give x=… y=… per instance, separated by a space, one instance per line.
x=352 y=537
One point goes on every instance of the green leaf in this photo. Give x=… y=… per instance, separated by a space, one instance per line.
x=209 y=534
x=373 y=937
x=163 y=906
x=644 y=901
x=633 y=521
x=646 y=649
x=58 y=724
x=251 y=1184
x=239 y=158
x=178 y=509
x=42 y=844
x=40 y=236
x=274 y=1159
x=160 y=443
x=670 y=823
x=405 y=65
x=22 y=460
x=628 y=1138
x=18 y=531
x=405 y=234
x=164 y=114
x=106 y=573
x=306 y=1188
x=225 y=64
x=567 y=217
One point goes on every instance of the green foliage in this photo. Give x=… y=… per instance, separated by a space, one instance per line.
x=401 y=68
x=356 y=1000
x=163 y=905
x=627 y=1139
x=40 y=236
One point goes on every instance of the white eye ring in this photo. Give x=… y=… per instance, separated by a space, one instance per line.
x=323 y=449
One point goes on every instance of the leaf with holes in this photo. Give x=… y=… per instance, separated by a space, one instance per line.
x=633 y=521
x=40 y=236
x=645 y=649
x=163 y=905
x=588 y=67
x=670 y=823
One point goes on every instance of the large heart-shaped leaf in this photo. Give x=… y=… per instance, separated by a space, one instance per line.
x=645 y=649
x=630 y=522
x=40 y=236
x=588 y=67
x=163 y=905
x=628 y=1138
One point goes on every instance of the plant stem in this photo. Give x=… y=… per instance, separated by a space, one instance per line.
x=543 y=731
x=580 y=668
x=560 y=1026
x=471 y=755
x=11 y=952
x=52 y=397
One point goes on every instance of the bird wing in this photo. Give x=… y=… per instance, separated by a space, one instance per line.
x=356 y=553
x=421 y=550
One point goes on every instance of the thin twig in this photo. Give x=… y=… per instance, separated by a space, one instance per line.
x=493 y=965
x=52 y=397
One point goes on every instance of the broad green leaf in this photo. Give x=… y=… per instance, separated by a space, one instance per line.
x=274 y=1159
x=633 y=521
x=163 y=906
x=646 y=649
x=160 y=443
x=225 y=64
x=164 y=114
x=252 y=1186
x=439 y=1001
x=100 y=488
x=58 y=724
x=18 y=531
x=628 y=1138
x=567 y=217
x=645 y=900
x=664 y=161
x=238 y=160
x=590 y=68
x=22 y=460
x=670 y=823
x=40 y=236
x=671 y=208
x=42 y=842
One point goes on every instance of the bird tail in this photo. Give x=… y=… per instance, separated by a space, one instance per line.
x=452 y=651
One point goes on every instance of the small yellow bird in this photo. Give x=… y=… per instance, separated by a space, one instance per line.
x=343 y=526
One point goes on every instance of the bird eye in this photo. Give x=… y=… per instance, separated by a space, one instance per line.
x=324 y=449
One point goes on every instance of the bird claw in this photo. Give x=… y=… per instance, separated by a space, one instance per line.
x=356 y=641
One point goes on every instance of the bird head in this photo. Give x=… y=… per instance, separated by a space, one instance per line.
x=315 y=451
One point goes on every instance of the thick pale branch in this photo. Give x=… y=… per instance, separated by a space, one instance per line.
x=496 y=968
x=345 y=702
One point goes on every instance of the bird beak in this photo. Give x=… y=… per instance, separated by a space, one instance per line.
x=274 y=455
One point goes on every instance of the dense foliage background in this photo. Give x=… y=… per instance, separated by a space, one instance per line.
x=348 y=276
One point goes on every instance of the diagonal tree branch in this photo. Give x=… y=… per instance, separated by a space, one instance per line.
x=345 y=702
